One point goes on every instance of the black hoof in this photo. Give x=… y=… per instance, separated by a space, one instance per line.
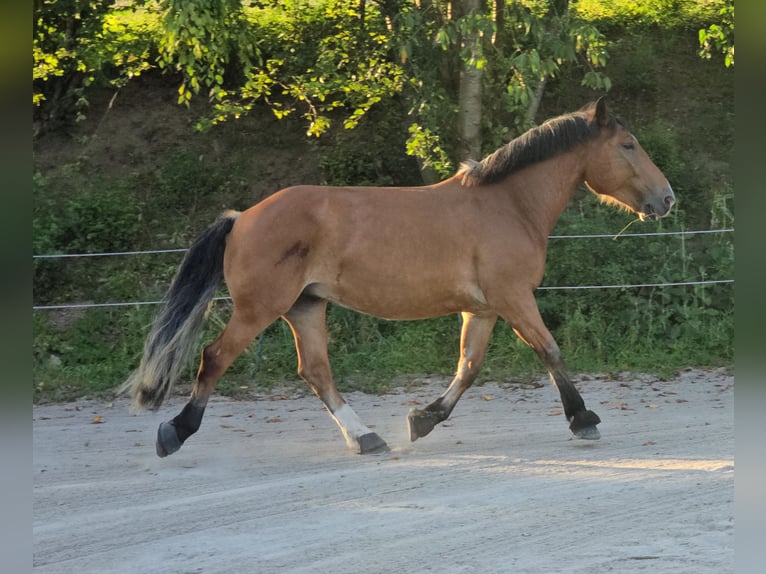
x=584 y=425
x=420 y=423
x=371 y=443
x=167 y=440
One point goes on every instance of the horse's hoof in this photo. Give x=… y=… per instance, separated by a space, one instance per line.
x=588 y=433
x=420 y=423
x=167 y=440
x=583 y=425
x=371 y=443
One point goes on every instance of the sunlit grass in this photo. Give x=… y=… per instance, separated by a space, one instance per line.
x=661 y=12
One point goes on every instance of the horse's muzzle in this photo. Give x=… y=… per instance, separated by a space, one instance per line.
x=658 y=205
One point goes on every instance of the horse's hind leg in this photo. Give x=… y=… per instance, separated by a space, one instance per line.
x=307 y=321
x=474 y=338
x=528 y=325
x=216 y=358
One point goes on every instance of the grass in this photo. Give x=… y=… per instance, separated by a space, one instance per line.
x=666 y=13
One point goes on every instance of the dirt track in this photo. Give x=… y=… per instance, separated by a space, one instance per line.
x=269 y=485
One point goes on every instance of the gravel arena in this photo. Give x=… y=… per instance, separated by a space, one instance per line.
x=268 y=484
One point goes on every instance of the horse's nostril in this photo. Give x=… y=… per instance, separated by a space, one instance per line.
x=669 y=201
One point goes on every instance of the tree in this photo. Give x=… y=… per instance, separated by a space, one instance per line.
x=203 y=40
x=531 y=40
x=473 y=23
x=78 y=44
x=63 y=61
x=468 y=72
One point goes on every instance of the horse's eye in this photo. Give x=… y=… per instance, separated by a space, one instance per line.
x=628 y=146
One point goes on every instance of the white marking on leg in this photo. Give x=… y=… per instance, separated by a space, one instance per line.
x=350 y=424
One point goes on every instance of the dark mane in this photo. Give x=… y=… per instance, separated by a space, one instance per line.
x=553 y=137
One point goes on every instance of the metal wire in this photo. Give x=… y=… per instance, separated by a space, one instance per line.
x=635 y=286
x=650 y=234
x=184 y=250
x=75 y=255
x=541 y=288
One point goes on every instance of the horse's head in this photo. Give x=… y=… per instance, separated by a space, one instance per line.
x=619 y=171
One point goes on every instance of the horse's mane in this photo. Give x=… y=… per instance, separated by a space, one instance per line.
x=555 y=136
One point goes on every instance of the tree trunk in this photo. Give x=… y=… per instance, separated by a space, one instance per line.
x=529 y=118
x=469 y=118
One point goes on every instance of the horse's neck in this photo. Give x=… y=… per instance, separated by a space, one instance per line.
x=543 y=190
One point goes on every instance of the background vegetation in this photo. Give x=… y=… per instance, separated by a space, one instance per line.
x=151 y=117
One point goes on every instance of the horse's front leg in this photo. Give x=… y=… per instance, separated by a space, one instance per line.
x=474 y=337
x=527 y=323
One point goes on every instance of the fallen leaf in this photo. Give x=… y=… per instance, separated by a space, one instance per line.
x=620 y=405
x=527 y=386
x=274 y=420
x=488 y=397
x=649 y=443
x=97 y=420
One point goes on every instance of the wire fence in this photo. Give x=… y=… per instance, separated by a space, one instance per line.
x=541 y=288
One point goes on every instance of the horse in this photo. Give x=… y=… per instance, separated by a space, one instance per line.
x=474 y=244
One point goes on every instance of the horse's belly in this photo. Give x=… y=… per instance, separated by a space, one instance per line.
x=398 y=300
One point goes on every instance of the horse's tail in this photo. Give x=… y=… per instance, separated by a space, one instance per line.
x=181 y=316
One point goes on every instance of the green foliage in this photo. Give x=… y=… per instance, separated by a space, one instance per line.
x=84 y=352
x=371 y=154
x=425 y=145
x=541 y=40
x=202 y=40
x=321 y=58
x=183 y=181
x=102 y=218
x=519 y=53
x=643 y=328
x=719 y=37
x=689 y=14
x=78 y=45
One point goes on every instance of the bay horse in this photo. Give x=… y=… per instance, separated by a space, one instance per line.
x=473 y=244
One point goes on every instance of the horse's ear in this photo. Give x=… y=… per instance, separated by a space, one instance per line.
x=601 y=115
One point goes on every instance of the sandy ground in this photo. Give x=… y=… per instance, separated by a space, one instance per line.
x=269 y=485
